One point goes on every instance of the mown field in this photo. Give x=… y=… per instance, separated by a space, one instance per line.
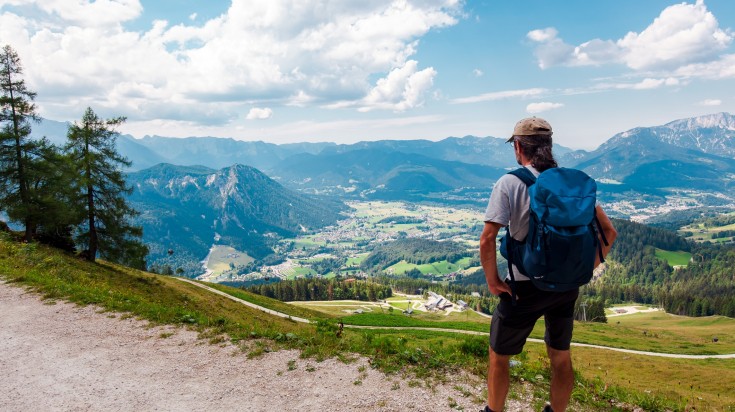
x=652 y=331
x=654 y=383
x=674 y=259
x=437 y=268
x=223 y=259
x=701 y=232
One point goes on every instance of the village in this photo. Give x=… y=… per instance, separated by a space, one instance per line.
x=369 y=223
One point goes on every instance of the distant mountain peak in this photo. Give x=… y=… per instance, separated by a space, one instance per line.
x=711 y=133
x=720 y=120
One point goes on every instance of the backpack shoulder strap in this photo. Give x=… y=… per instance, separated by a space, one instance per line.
x=525 y=175
x=528 y=179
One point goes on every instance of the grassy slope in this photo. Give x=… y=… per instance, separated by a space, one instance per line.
x=158 y=299
x=163 y=300
x=674 y=258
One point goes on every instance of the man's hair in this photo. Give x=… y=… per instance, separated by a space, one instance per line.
x=537 y=149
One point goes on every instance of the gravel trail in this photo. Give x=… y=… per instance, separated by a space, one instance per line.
x=56 y=356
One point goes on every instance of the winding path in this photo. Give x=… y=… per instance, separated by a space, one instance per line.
x=467 y=332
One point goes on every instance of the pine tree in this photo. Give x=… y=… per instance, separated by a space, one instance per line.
x=51 y=185
x=101 y=187
x=17 y=150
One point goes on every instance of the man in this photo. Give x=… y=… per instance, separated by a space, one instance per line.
x=512 y=323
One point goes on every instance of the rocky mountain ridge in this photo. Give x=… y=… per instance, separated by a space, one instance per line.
x=187 y=209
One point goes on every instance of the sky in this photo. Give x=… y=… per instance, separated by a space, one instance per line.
x=285 y=71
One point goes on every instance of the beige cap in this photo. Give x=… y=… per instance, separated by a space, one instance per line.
x=532 y=126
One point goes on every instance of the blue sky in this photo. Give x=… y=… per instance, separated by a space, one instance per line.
x=331 y=70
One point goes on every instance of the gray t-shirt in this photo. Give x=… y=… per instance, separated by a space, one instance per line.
x=509 y=205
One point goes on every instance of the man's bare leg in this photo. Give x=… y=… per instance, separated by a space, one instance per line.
x=562 y=378
x=498 y=380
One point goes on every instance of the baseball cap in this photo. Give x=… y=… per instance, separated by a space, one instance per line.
x=532 y=126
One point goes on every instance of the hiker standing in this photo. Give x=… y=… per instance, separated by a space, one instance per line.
x=522 y=300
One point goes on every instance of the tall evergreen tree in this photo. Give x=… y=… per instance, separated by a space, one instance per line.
x=101 y=187
x=53 y=192
x=17 y=150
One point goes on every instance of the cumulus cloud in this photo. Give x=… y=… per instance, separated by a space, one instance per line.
x=259 y=114
x=682 y=34
x=507 y=94
x=540 y=107
x=404 y=88
x=710 y=102
x=281 y=51
x=552 y=51
x=477 y=73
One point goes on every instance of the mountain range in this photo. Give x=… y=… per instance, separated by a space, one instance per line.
x=197 y=191
x=185 y=210
x=691 y=154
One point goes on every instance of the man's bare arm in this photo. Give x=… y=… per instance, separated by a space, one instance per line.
x=489 y=259
x=608 y=230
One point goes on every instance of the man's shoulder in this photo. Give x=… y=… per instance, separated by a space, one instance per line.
x=509 y=180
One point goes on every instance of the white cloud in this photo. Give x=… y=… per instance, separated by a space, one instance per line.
x=645 y=84
x=543 y=107
x=193 y=16
x=507 y=94
x=552 y=51
x=710 y=102
x=543 y=35
x=724 y=68
x=259 y=114
x=280 y=52
x=477 y=73
x=404 y=88
x=682 y=34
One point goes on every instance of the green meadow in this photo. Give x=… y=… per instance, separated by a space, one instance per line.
x=437 y=268
x=223 y=258
x=674 y=258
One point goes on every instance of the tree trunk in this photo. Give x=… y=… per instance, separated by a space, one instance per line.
x=92 y=228
x=90 y=205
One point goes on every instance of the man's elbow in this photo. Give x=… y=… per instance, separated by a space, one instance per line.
x=487 y=243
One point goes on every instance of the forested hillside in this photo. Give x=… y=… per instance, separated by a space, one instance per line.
x=187 y=209
x=634 y=273
x=413 y=250
x=323 y=289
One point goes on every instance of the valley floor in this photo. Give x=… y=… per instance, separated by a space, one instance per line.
x=59 y=356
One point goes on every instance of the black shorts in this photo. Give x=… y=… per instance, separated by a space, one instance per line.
x=511 y=325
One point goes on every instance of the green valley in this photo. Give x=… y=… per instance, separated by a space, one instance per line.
x=367 y=226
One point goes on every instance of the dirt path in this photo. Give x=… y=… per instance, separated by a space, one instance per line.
x=63 y=357
x=631 y=351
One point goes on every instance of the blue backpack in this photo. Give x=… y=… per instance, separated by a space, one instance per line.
x=559 y=252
